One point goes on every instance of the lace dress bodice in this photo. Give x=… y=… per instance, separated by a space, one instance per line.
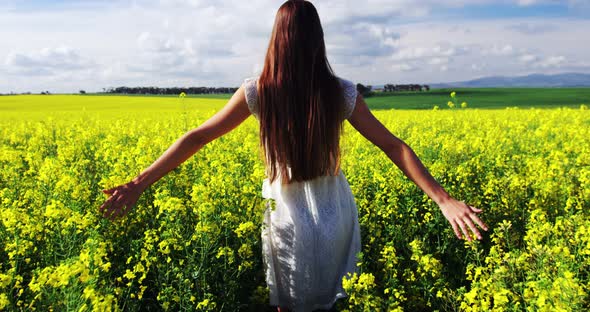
x=349 y=89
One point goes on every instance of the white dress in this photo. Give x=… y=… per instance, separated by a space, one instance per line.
x=311 y=238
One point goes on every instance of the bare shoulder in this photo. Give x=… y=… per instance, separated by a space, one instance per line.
x=360 y=107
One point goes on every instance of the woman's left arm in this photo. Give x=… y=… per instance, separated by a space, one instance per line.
x=228 y=118
x=461 y=216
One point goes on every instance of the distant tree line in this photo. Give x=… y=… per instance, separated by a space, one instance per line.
x=25 y=93
x=367 y=91
x=14 y=93
x=405 y=87
x=171 y=91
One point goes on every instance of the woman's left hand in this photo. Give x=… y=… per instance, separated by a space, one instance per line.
x=461 y=216
x=122 y=199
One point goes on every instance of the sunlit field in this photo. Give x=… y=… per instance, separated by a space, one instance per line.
x=193 y=240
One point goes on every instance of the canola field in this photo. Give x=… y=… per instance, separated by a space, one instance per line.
x=192 y=242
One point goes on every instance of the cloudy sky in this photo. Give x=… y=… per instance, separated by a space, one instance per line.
x=68 y=45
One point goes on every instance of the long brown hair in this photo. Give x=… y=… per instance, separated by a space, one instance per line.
x=300 y=98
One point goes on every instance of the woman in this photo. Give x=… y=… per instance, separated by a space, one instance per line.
x=311 y=238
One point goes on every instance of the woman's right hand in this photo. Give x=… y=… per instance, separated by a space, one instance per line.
x=122 y=199
x=461 y=216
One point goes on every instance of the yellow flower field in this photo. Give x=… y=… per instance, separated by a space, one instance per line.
x=193 y=240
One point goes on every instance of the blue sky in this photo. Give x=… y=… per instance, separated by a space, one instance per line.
x=507 y=10
x=67 y=45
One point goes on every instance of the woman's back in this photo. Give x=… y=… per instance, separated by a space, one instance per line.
x=311 y=237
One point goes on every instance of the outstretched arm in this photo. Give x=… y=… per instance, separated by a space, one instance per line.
x=459 y=215
x=230 y=116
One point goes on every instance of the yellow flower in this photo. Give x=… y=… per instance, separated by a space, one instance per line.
x=245 y=251
x=453 y=94
x=129 y=274
x=203 y=304
x=3 y=301
x=245 y=228
x=207 y=304
x=225 y=252
x=5 y=280
x=182 y=95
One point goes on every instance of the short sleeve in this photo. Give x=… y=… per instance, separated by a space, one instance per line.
x=251 y=94
x=350 y=95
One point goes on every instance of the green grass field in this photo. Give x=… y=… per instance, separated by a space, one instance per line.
x=475 y=97
x=484 y=98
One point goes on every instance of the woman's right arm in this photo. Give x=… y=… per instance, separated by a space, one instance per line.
x=123 y=197
x=460 y=215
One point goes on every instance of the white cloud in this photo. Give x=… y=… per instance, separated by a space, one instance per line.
x=527 y=2
x=551 y=61
x=410 y=53
x=531 y=28
x=440 y=50
x=478 y=67
x=359 y=43
x=448 y=50
x=167 y=55
x=528 y=58
x=404 y=67
x=46 y=61
x=438 y=61
x=505 y=49
x=437 y=56
x=147 y=42
x=534 y=61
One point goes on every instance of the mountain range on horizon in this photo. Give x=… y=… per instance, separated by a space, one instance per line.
x=532 y=80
